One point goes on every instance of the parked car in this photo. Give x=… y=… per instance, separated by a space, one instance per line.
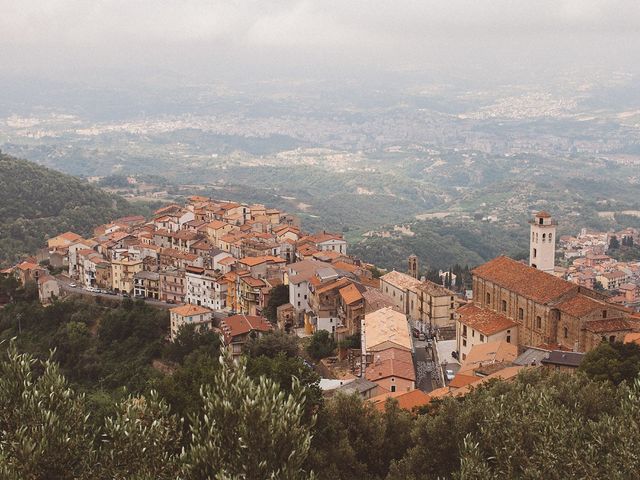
x=415 y=332
x=422 y=336
x=449 y=374
x=125 y=294
x=73 y=285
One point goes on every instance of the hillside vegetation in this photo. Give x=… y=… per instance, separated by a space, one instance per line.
x=37 y=203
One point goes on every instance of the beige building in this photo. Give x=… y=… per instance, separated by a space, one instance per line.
x=426 y=303
x=188 y=314
x=122 y=274
x=48 y=289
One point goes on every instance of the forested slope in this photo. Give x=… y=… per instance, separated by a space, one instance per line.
x=36 y=203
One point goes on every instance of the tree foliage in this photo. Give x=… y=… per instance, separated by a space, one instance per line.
x=279 y=295
x=615 y=362
x=248 y=430
x=321 y=345
x=37 y=203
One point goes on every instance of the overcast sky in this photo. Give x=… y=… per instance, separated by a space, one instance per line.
x=263 y=37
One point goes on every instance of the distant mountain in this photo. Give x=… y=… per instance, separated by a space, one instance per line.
x=37 y=203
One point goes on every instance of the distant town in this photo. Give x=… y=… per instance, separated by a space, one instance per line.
x=223 y=265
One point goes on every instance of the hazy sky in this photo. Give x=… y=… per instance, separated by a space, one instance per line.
x=263 y=38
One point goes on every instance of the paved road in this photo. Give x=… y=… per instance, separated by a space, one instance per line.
x=64 y=281
x=426 y=369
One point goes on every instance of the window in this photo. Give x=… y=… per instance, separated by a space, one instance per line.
x=488 y=299
x=612 y=338
x=566 y=332
x=604 y=314
x=464 y=330
x=520 y=314
x=538 y=322
x=473 y=333
x=550 y=236
x=394 y=293
x=411 y=304
x=540 y=221
x=535 y=253
x=393 y=388
x=451 y=316
x=305 y=297
x=504 y=305
x=481 y=338
x=387 y=289
x=464 y=356
x=464 y=343
x=544 y=237
x=508 y=338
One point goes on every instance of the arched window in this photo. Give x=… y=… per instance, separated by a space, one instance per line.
x=488 y=298
x=566 y=332
x=520 y=314
x=538 y=322
x=544 y=237
x=504 y=305
x=550 y=236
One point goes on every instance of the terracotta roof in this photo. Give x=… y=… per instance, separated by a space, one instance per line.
x=347 y=267
x=386 y=327
x=350 y=294
x=406 y=400
x=253 y=261
x=241 y=324
x=543 y=214
x=253 y=282
x=580 y=305
x=28 y=266
x=505 y=374
x=462 y=380
x=189 y=310
x=488 y=353
x=391 y=362
x=216 y=224
x=400 y=280
x=523 y=280
x=70 y=236
x=632 y=338
x=484 y=320
x=339 y=283
x=607 y=325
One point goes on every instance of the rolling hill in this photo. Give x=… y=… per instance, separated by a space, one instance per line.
x=37 y=203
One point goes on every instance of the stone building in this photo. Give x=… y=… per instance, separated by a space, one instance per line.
x=546 y=309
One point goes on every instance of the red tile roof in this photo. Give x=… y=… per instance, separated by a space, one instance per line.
x=406 y=400
x=580 y=305
x=607 y=325
x=523 y=280
x=484 y=320
x=241 y=324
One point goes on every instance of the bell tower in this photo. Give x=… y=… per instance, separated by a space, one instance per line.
x=413 y=266
x=542 y=245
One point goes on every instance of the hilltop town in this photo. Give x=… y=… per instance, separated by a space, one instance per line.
x=243 y=271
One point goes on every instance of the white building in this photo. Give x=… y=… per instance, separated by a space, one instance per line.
x=204 y=288
x=542 y=245
x=476 y=326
